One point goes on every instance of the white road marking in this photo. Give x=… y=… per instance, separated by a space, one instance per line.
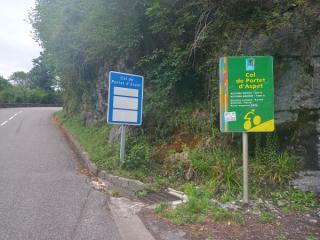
x=12 y=117
x=4 y=123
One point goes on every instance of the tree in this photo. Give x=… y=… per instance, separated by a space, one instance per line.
x=20 y=78
x=42 y=75
x=4 y=83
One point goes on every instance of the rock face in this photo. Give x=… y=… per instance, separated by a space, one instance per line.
x=298 y=108
x=318 y=141
x=307 y=181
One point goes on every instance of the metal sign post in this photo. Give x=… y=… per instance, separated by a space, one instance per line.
x=125 y=103
x=123 y=144
x=245 y=156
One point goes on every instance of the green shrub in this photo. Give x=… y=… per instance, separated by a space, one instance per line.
x=222 y=167
x=138 y=156
x=277 y=170
x=266 y=217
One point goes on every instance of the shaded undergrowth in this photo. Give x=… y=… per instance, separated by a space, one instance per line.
x=207 y=166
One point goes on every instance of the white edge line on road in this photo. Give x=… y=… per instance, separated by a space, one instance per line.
x=12 y=117
x=4 y=123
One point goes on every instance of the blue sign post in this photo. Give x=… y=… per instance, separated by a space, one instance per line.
x=125 y=102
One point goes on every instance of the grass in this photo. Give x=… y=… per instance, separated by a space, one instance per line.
x=311 y=237
x=266 y=217
x=197 y=212
x=295 y=200
x=198 y=209
x=281 y=237
x=94 y=140
x=216 y=170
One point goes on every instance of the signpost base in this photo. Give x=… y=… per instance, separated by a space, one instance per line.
x=123 y=144
x=245 y=153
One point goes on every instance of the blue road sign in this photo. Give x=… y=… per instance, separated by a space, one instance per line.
x=125 y=99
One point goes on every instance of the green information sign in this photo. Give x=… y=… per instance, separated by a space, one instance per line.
x=246 y=94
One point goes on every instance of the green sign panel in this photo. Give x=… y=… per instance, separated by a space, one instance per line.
x=246 y=94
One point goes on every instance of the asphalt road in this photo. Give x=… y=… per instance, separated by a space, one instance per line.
x=42 y=196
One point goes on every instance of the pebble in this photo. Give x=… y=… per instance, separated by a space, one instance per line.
x=313 y=221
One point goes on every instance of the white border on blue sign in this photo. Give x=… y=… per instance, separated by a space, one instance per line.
x=109 y=100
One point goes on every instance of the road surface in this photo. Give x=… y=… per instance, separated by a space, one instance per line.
x=42 y=196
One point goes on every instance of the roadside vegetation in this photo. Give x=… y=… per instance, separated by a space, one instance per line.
x=38 y=86
x=205 y=171
x=15 y=95
x=176 y=46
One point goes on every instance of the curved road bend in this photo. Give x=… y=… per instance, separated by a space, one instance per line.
x=42 y=197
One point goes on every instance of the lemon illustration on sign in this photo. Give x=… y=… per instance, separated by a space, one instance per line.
x=251 y=119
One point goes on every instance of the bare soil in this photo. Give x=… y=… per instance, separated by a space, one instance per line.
x=293 y=226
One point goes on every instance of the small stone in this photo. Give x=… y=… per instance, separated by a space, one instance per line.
x=256 y=212
x=313 y=221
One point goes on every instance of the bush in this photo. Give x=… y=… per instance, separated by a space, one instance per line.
x=221 y=168
x=17 y=94
x=138 y=156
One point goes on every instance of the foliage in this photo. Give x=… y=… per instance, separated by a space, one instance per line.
x=271 y=165
x=311 y=237
x=4 y=84
x=197 y=209
x=36 y=86
x=295 y=200
x=138 y=156
x=221 y=167
x=18 y=94
x=174 y=44
x=266 y=217
x=281 y=237
x=20 y=78
x=42 y=74
x=93 y=140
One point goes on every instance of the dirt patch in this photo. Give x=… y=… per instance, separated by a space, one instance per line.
x=163 y=229
x=293 y=226
x=177 y=143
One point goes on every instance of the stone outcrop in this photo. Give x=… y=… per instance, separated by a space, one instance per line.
x=298 y=107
